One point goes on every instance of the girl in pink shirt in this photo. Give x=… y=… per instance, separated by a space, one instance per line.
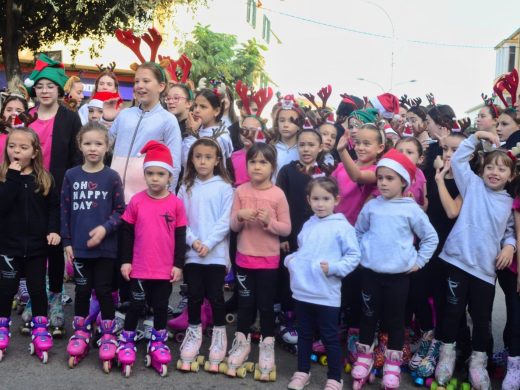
x=260 y=215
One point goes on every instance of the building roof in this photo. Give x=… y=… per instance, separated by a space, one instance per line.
x=509 y=38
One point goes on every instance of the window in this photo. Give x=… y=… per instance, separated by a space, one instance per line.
x=251 y=12
x=266 y=29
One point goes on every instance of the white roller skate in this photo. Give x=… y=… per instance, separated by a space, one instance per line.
x=238 y=354
x=512 y=379
x=265 y=369
x=190 y=359
x=362 y=370
x=217 y=351
x=446 y=365
x=478 y=375
x=392 y=369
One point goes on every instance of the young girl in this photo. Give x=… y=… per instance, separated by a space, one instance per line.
x=508 y=128
x=328 y=133
x=328 y=250
x=386 y=229
x=91 y=207
x=152 y=265
x=288 y=122
x=57 y=128
x=412 y=148
x=260 y=215
x=73 y=93
x=487 y=118
x=178 y=101
x=106 y=81
x=206 y=121
x=479 y=243
x=12 y=107
x=207 y=195
x=29 y=207
x=135 y=126
x=416 y=119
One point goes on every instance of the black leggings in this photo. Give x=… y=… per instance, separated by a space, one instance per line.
x=351 y=298
x=56 y=268
x=156 y=293
x=205 y=281
x=94 y=274
x=507 y=280
x=34 y=269
x=383 y=298
x=463 y=289
x=256 y=291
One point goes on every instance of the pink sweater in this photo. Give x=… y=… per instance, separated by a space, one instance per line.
x=253 y=238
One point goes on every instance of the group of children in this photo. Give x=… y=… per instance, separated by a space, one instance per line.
x=387 y=216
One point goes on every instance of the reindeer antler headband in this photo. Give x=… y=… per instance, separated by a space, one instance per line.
x=261 y=97
x=507 y=82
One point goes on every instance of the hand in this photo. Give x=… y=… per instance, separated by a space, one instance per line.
x=441 y=172
x=69 y=254
x=96 y=236
x=284 y=246
x=110 y=111
x=438 y=162
x=324 y=265
x=126 y=270
x=196 y=245
x=247 y=215
x=505 y=257
x=488 y=136
x=15 y=165
x=264 y=216
x=203 y=250
x=176 y=274
x=53 y=239
x=343 y=141
x=415 y=268
x=193 y=124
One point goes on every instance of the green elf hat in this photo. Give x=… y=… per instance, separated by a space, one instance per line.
x=46 y=68
x=368 y=115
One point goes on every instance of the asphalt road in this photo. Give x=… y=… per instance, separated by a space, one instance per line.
x=19 y=370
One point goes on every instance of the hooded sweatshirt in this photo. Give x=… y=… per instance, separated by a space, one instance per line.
x=386 y=229
x=208 y=209
x=331 y=239
x=485 y=222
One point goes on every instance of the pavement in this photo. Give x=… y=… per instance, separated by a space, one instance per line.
x=19 y=370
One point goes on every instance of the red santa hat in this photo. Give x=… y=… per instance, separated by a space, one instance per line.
x=157 y=155
x=99 y=98
x=389 y=130
x=307 y=125
x=386 y=104
x=330 y=119
x=401 y=164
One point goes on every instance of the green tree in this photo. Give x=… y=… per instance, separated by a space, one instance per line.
x=30 y=24
x=220 y=56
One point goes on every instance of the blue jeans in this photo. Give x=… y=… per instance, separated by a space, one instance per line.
x=324 y=318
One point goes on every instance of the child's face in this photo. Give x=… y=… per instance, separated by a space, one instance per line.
x=76 y=92
x=177 y=102
x=106 y=84
x=450 y=146
x=367 y=146
x=47 y=92
x=12 y=109
x=485 y=121
x=496 y=175
x=205 y=160
x=157 y=180
x=328 y=135
x=259 y=169
x=354 y=125
x=252 y=107
x=417 y=124
x=94 y=146
x=203 y=110
x=389 y=183
x=309 y=147
x=434 y=130
x=95 y=114
x=20 y=148
x=147 y=88
x=248 y=131
x=409 y=149
x=286 y=125
x=322 y=202
x=506 y=126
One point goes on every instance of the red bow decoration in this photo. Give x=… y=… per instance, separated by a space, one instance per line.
x=507 y=82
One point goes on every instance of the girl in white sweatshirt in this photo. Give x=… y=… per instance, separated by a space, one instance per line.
x=328 y=251
x=207 y=195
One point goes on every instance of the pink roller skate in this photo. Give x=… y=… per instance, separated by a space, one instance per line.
x=41 y=339
x=362 y=370
x=392 y=369
x=319 y=353
x=158 y=354
x=238 y=354
x=126 y=352
x=79 y=342
x=190 y=359
x=217 y=351
x=5 y=323
x=265 y=369
x=107 y=344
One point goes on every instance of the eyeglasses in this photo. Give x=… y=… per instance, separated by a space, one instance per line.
x=175 y=98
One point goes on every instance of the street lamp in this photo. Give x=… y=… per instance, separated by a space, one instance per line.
x=404 y=82
x=371 y=82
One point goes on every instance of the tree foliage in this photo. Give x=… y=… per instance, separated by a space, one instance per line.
x=220 y=56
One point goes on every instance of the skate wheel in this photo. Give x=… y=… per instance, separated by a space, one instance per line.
x=272 y=375
x=250 y=366
x=107 y=366
x=230 y=318
x=200 y=360
x=348 y=368
x=31 y=348
x=466 y=386
x=222 y=368
x=194 y=366
x=179 y=337
x=323 y=360
x=207 y=365
x=450 y=387
x=419 y=381
x=314 y=357
x=164 y=370
x=434 y=385
x=454 y=382
x=257 y=374
x=241 y=372
x=45 y=357
x=356 y=385
x=147 y=361
x=127 y=370
x=72 y=361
